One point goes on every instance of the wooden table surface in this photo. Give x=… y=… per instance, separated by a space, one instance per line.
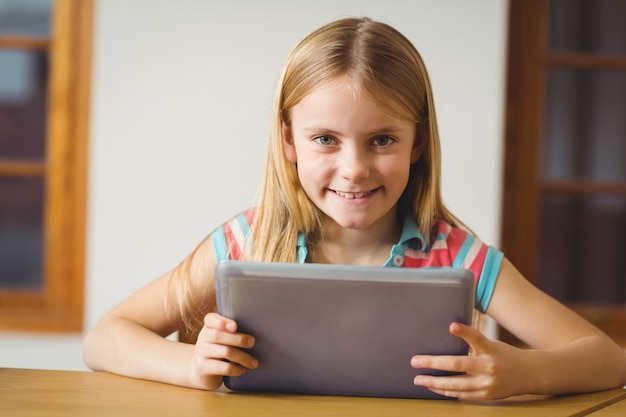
x=617 y=409
x=28 y=392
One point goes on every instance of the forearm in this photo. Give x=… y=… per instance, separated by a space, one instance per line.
x=126 y=348
x=591 y=363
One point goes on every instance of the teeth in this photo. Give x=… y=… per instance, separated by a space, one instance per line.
x=351 y=195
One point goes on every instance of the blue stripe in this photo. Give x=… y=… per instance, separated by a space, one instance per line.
x=488 y=277
x=302 y=249
x=242 y=221
x=460 y=257
x=441 y=236
x=219 y=244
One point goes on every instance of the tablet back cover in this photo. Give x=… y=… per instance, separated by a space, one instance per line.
x=343 y=330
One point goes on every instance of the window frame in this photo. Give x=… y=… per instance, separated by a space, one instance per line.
x=58 y=305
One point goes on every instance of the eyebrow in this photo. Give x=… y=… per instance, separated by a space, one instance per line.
x=378 y=131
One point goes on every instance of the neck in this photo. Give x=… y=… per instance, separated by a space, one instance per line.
x=369 y=246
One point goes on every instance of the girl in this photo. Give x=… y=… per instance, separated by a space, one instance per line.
x=353 y=177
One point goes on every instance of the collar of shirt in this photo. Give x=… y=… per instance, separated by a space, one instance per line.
x=410 y=237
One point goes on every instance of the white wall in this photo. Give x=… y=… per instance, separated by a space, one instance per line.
x=180 y=114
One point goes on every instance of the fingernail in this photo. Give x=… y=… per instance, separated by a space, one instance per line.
x=250 y=341
x=231 y=327
x=416 y=362
x=254 y=364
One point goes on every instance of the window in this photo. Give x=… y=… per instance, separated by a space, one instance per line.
x=45 y=51
x=564 y=222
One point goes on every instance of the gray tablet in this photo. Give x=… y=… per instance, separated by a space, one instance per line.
x=343 y=330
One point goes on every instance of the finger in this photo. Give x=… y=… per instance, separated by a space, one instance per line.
x=477 y=341
x=463 y=386
x=227 y=354
x=219 y=367
x=214 y=320
x=215 y=336
x=443 y=363
x=461 y=395
x=441 y=383
x=222 y=330
x=452 y=363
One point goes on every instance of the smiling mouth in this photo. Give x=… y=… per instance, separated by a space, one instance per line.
x=351 y=196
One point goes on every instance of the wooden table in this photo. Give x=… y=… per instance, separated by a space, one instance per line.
x=25 y=392
x=617 y=409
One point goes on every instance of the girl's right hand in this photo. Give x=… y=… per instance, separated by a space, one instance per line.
x=218 y=352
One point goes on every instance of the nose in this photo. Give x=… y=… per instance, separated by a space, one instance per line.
x=354 y=164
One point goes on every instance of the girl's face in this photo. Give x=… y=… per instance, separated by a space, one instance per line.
x=353 y=159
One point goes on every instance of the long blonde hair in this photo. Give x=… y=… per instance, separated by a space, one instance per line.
x=384 y=63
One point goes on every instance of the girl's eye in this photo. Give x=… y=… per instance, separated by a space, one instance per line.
x=382 y=140
x=324 y=140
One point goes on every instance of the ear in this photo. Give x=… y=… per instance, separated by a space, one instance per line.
x=421 y=139
x=288 y=145
x=418 y=149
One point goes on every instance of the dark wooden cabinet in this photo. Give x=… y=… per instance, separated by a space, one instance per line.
x=564 y=209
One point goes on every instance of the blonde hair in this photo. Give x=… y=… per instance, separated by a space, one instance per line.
x=380 y=60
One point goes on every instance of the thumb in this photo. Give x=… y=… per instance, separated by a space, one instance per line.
x=475 y=339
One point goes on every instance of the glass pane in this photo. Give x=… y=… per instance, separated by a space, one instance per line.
x=588 y=26
x=23 y=86
x=25 y=17
x=21 y=232
x=585 y=127
x=582 y=249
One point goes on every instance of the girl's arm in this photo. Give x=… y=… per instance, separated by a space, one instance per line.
x=131 y=338
x=566 y=355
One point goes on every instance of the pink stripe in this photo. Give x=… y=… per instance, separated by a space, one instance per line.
x=234 y=250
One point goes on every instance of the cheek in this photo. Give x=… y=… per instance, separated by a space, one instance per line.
x=396 y=170
x=397 y=165
x=313 y=174
x=306 y=170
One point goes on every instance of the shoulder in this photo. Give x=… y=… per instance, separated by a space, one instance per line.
x=242 y=220
x=232 y=237
x=465 y=250
x=450 y=236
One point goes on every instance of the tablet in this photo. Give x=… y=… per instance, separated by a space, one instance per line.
x=343 y=330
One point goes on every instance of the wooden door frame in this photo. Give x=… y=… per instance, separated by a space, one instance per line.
x=523 y=125
x=58 y=305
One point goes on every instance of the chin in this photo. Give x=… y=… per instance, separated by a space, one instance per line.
x=353 y=224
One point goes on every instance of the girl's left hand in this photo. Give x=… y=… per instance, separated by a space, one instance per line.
x=493 y=370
